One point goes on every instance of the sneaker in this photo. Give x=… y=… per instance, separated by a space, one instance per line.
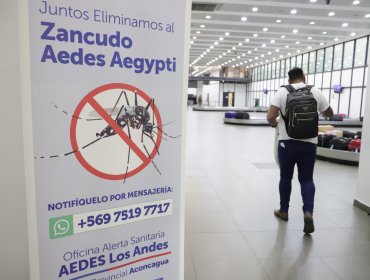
x=281 y=215
x=308 y=223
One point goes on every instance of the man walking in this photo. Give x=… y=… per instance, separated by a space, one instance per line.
x=297 y=127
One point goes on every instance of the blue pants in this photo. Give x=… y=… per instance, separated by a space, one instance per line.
x=290 y=153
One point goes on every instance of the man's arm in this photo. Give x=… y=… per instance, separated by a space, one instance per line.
x=272 y=115
x=328 y=113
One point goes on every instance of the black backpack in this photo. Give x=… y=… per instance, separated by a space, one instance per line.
x=300 y=116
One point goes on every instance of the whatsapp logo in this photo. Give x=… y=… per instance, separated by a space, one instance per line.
x=61 y=227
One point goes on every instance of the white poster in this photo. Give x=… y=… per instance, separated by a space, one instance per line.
x=107 y=101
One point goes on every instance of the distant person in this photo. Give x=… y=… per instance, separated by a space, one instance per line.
x=297 y=140
x=200 y=100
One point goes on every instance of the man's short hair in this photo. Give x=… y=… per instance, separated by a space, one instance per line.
x=296 y=73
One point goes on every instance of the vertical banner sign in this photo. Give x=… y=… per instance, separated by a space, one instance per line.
x=106 y=88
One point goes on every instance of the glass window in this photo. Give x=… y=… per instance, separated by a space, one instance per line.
x=312 y=63
x=273 y=70
x=348 y=54
x=360 y=52
x=255 y=73
x=292 y=62
x=278 y=69
x=299 y=61
x=305 y=63
x=320 y=61
x=328 y=59
x=282 y=69
x=259 y=73
x=269 y=71
x=287 y=66
x=338 y=52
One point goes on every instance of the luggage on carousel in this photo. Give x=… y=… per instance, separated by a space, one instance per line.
x=230 y=115
x=336 y=118
x=324 y=140
x=336 y=133
x=339 y=143
x=354 y=145
x=349 y=134
x=325 y=128
x=242 y=115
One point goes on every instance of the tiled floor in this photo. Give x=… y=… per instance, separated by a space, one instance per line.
x=231 y=232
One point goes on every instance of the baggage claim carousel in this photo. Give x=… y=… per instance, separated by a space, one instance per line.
x=327 y=154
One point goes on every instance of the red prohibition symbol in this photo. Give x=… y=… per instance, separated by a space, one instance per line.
x=139 y=117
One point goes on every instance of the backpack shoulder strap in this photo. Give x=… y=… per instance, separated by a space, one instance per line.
x=289 y=88
x=308 y=87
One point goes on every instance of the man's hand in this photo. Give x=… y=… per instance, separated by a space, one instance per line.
x=272 y=115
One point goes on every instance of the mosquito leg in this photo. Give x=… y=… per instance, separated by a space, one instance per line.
x=151 y=138
x=161 y=136
x=153 y=113
x=71 y=152
x=119 y=112
x=71 y=115
x=164 y=124
x=128 y=103
x=115 y=105
x=151 y=160
x=129 y=153
x=174 y=137
x=147 y=107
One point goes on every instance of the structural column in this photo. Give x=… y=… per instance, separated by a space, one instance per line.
x=362 y=198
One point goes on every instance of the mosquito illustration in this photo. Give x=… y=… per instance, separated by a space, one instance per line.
x=128 y=117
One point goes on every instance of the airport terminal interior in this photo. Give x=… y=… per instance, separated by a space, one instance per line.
x=240 y=52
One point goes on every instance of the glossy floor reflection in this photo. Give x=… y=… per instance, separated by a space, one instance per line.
x=231 y=192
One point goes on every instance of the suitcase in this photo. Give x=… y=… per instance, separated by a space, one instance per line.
x=242 y=115
x=337 y=133
x=324 y=140
x=325 y=128
x=230 y=115
x=336 y=118
x=354 y=145
x=349 y=134
x=339 y=143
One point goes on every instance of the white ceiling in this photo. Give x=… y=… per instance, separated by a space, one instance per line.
x=227 y=18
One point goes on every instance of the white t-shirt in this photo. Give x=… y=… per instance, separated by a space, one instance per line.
x=279 y=100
